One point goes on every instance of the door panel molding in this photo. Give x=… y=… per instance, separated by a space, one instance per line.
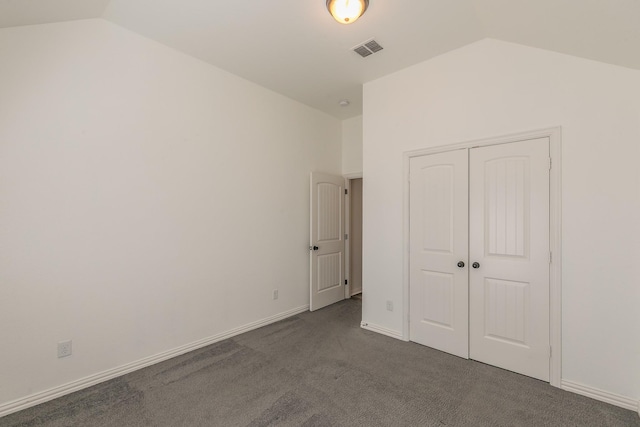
x=555 y=231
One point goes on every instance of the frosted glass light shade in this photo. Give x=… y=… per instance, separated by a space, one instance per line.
x=347 y=11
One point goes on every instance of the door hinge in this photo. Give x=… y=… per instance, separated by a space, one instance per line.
x=550 y=163
x=346 y=191
x=550 y=257
x=345 y=281
x=550 y=352
x=346 y=236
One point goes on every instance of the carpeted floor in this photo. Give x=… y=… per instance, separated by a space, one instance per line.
x=321 y=369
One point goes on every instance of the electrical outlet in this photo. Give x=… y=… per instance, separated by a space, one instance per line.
x=389 y=305
x=64 y=348
x=275 y=294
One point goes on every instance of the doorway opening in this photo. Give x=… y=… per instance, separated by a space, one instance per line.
x=335 y=243
x=354 y=241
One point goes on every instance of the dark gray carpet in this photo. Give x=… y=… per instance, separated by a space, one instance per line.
x=321 y=369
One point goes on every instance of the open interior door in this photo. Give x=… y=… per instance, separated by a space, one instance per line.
x=327 y=240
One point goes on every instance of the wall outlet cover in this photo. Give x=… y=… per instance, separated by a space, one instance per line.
x=64 y=349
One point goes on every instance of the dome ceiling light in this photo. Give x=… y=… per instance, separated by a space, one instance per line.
x=347 y=11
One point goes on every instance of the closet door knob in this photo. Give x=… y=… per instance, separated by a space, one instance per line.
x=475 y=265
x=460 y=264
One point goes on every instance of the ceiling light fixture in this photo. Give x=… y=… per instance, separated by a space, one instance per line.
x=347 y=11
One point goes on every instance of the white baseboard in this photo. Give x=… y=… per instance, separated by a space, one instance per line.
x=384 y=331
x=601 y=395
x=55 y=392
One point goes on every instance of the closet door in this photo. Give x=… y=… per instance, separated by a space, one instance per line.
x=509 y=256
x=438 y=289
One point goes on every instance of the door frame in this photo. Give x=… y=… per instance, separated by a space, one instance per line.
x=555 y=232
x=347 y=229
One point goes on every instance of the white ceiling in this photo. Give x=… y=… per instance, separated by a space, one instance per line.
x=29 y=12
x=295 y=48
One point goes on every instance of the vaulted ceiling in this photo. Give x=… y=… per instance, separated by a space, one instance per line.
x=295 y=48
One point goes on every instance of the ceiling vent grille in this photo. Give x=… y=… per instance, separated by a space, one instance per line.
x=367 y=48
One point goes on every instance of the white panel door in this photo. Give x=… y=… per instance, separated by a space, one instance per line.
x=327 y=240
x=438 y=224
x=509 y=256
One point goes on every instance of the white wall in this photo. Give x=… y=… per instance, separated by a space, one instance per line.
x=147 y=200
x=352 y=145
x=492 y=88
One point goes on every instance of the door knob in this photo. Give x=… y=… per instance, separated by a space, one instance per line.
x=460 y=264
x=313 y=248
x=475 y=265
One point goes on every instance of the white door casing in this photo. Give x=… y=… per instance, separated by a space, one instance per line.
x=326 y=240
x=509 y=239
x=438 y=242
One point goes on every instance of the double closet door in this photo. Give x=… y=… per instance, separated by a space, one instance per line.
x=479 y=254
